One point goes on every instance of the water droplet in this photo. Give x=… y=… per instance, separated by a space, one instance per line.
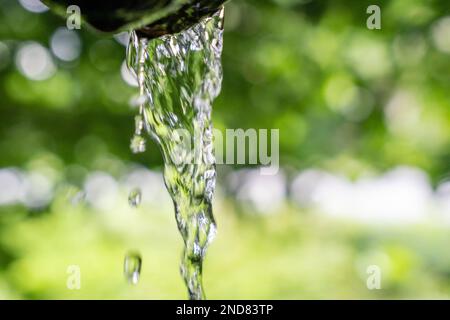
x=139 y=124
x=135 y=198
x=132 y=267
x=137 y=144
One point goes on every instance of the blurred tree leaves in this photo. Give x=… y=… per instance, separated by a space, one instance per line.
x=344 y=97
x=309 y=68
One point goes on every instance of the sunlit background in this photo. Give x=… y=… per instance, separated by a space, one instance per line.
x=364 y=119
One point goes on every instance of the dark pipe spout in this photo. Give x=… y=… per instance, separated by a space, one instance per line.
x=150 y=18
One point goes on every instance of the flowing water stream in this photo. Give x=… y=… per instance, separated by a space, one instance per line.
x=179 y=76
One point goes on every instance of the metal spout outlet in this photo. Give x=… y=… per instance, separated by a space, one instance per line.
x=150 y=18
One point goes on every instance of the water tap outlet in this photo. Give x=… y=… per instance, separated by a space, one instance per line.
x=152 y=18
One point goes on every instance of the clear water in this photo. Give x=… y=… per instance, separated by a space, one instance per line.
x=137 y=144
x=135 y=198
x=132 y=267
x=179 y=76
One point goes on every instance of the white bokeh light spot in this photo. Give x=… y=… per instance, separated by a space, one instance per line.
x=123 y=38
x=35 y=62
x=11 y=186
x=65 y=44
x=441 y=34
x=128 y=75
x=35 y=6
x=101 y=190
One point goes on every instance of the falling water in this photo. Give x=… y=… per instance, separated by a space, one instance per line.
x=135 y=198
x=179 y=77
x=132 y=267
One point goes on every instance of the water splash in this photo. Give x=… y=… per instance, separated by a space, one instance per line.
x=179 y=76
x=132 y=267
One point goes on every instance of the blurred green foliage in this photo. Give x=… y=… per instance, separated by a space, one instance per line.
x=311 y=68
x=345 y=98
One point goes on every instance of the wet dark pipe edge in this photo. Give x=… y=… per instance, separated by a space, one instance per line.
x=151 y=18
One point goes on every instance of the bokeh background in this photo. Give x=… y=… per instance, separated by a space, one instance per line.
x=364 y=119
